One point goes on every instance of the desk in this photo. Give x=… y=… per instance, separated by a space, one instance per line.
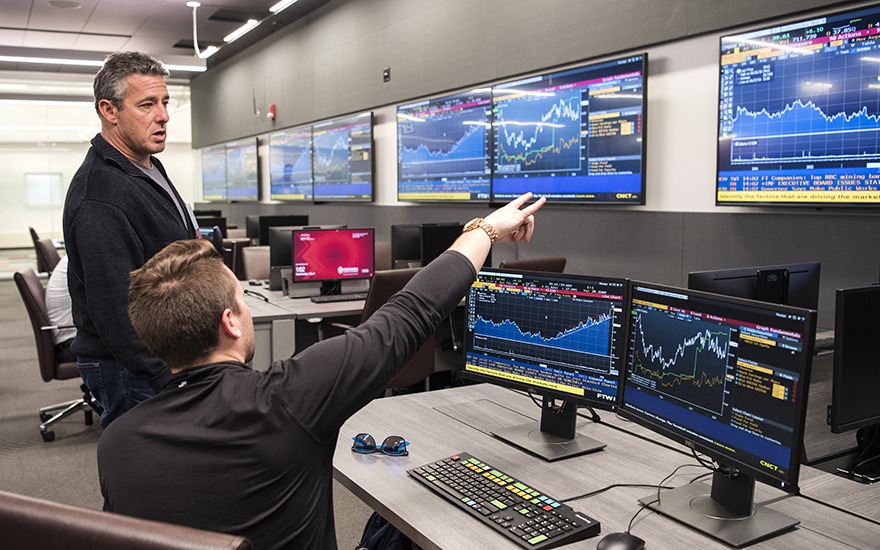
x=275 y=321
x=445 y=422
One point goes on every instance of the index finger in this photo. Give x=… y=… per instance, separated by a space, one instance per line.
x=534 y=207
x=520 y=200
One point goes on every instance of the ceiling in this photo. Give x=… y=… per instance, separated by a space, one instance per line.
x=90 y=29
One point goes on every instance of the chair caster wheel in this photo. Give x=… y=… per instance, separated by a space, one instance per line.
x=48 y=436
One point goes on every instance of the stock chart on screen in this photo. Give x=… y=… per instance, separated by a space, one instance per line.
x=290 y=164
x=574 y=135
x=342 y=166
x=444 y=148
x=799 y=108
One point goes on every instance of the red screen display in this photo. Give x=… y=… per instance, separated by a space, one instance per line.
x=332 y=254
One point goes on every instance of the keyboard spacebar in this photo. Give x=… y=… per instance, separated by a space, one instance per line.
x=447 y=489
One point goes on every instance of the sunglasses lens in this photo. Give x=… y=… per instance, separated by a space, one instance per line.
x=395 y=445
x=363 y=443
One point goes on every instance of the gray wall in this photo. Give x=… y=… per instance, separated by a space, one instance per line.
x=331 y=63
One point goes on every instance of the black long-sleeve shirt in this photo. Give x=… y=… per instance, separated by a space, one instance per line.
x=230 y=449
x=115 y=219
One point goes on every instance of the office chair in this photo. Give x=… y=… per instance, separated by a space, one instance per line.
x=34 y=296
x=255 y=262
x=47 y=255
x=41 y=265
x=383 y=256
x=28 y=522
x=421 y=366
x=551 y=265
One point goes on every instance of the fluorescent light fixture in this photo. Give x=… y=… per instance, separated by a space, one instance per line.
x=282 y=5
x=51 y=61
x=84 y=62
x=241 y=31
x=209 y=51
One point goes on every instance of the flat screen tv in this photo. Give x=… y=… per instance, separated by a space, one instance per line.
x=342 y=169
x=798 y=112
x=242 y=170
x=290 y=164
x=214 y=173
x=444 y=148
x=573 y=136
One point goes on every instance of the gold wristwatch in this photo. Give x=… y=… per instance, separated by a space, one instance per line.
x=480 y=223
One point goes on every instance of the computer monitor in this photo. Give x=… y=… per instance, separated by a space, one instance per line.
x=270 y=221
x=435 y=238
x=252 y=226
x=242 y=170
x=795 y=123
x=560 y=336
x=444 y=148
x=855 y=394
x=210 y=222
x=208 y=213
x=791 y=284
x=214 y=173
x=342 y=168
x=331 y=256
x=575 y=135
x=290 y=164
x=214 y=235
x=406 y=244
x=728 y=378
x=281 y=250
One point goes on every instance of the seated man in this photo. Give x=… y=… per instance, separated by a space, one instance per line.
x=230 y=449
x=58 y=307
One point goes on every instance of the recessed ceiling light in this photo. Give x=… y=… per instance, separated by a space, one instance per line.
x=65 y=4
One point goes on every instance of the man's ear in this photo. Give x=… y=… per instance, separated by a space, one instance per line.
x=108 y=111
x=228 y=325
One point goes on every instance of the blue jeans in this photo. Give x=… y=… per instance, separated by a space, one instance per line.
x=113 y=386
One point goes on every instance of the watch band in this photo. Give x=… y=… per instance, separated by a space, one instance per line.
x=485 y=226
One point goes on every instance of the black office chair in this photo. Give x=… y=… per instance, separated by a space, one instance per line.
x=551 y=265
x=34 y=296
x=47 y=255
x=421 y=366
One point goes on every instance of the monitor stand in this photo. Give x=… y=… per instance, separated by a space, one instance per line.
x=866 y=463
x=556 y=437
x=726 y=511
x=331 y=287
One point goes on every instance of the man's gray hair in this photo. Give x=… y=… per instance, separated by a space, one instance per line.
x=110 y=80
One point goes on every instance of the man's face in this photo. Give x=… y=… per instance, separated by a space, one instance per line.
x=138 y=129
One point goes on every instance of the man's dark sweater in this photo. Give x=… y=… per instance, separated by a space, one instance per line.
x=115 y=219
x=229 y=449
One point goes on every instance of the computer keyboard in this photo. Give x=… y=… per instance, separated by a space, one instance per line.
x=523 y=514
x=325 y=298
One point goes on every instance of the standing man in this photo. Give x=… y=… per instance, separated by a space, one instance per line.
x=121 y=209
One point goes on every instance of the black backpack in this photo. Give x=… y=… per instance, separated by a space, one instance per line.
x=381 y=535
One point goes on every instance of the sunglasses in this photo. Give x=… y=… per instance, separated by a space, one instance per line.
x=394 y=445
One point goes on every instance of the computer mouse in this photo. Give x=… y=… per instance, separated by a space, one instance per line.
x=620 y=541
x=254 y=282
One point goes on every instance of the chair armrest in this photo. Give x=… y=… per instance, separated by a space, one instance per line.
x=343 y=326
x=57 y=327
